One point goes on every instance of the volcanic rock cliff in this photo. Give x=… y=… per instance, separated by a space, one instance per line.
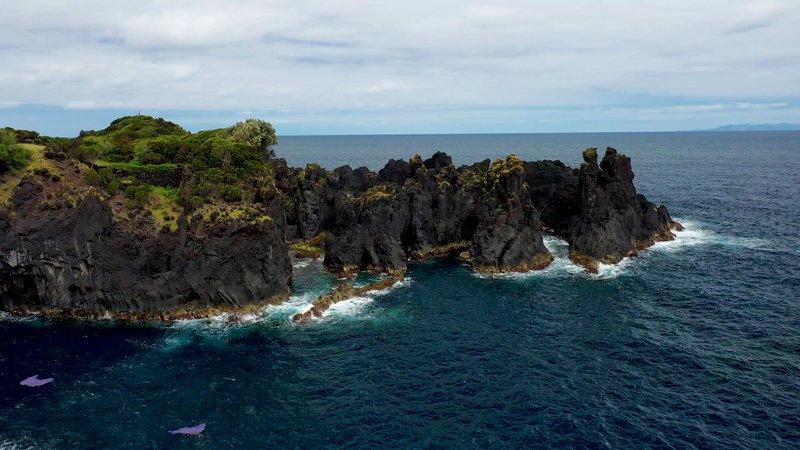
x=491 y=214
x=76 y=258
x=74 y=249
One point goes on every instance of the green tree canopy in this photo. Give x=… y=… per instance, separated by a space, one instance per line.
x=257 y=133
x=12 y=155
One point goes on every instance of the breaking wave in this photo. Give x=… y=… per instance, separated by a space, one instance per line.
x=694 y=234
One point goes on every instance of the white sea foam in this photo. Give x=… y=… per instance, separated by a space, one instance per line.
x=8 y=444
x=611 y=271
x=397 y=285
x=348 y=308
x=692 y=235
x=301 y=263
x=294 y=305
x=8 y=317
x=561 y=266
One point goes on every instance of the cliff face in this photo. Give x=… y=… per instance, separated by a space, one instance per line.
x=491 y=214
x=420 y=209
x=67 y=249
x=613 y=221
x=78 y=260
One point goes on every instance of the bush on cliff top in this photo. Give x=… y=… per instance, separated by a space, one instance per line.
x=223 y=163
x=12 y=155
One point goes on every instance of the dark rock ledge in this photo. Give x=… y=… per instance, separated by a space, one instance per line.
x=77 y=256
x=490 y=214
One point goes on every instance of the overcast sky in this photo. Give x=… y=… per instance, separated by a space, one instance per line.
x=411 y=66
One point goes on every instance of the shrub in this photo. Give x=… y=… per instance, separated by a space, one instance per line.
x=92 y=177
x=12 y=156
x=260 y=135
x=138 y=196
x=144 y=155
x=196 y=201
x=231 y=193
x=590 y=154
x=113 y=187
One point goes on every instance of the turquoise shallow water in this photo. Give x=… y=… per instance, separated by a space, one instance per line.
x=694 y=344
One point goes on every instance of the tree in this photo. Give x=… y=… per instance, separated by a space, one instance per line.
x=257 y=133
x=12 y=155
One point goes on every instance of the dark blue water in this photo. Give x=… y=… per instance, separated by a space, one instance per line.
x=696 y=344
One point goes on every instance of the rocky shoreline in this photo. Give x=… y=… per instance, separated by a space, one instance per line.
x=341 y=293
x=70 y=250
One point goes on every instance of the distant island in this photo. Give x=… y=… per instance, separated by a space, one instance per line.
x=758 y=127
x=145 y=220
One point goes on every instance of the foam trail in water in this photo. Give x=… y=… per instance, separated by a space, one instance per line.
x=348 y=308
x=294 y=305
x=8 y=317
x=301 y=263
x=561 y=266
x=6 y=444
x=400 y=284
x=694 y=234
x=356 y=307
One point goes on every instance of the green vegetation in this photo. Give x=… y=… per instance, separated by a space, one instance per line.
x=511 y=165
x=163 y=204
x=374 y=194
x=25 y=136
x=248 y=213
x=37 y=164
x=12 y=155
x=590 y=154
x=138 y=195
x=226 y=164
x=223 y=173
x=315 y=245
x=259 y=134
x=136 y=166
x=471 y=178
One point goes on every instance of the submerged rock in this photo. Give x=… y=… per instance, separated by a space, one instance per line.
x=341 y=293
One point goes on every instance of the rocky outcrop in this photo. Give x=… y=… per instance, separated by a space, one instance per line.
x=491 y=214
x=67 y=250
x=81 y=261
x=341 y=293
x=613 y=221
x=417 y=209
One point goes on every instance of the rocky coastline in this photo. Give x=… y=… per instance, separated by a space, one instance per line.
x=71 y=249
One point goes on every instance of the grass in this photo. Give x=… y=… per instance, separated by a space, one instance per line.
x=170 y=193
x=373 y=194
x=38 y=161
x=313 y=245
x=135 y=166
x=164 y=206
x=226 y=212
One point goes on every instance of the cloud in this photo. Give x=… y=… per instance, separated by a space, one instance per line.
x=203 y=26
x=755 y=16
x=301 y=58
x=746 y=105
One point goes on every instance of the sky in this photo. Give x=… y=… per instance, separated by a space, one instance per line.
x=411 y=66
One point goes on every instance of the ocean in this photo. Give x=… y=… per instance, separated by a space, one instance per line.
x=694 y=344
